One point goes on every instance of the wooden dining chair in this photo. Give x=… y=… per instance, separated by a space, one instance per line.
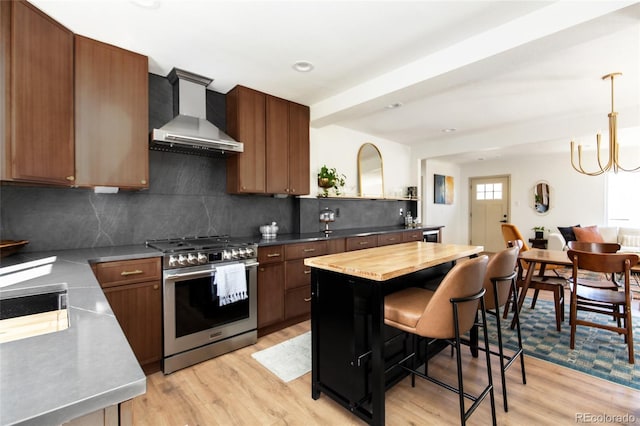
x=552 y=283
x=602 y=301
x=610 y=284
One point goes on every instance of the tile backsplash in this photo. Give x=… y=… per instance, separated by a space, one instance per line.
x=186 y=197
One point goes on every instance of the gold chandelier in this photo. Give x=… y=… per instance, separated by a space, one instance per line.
x=613 y=163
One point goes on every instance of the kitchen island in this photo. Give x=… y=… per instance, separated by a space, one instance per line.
x=87 y=368
x=350 y=344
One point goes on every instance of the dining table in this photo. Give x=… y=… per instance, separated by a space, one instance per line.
x=543 y=258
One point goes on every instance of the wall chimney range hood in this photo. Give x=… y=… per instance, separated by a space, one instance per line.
x=189 y=131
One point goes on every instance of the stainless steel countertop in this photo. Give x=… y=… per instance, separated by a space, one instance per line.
x=53 y=378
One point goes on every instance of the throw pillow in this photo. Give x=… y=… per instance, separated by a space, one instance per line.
x=631 y=240
x=588 y=234
x=567 y=232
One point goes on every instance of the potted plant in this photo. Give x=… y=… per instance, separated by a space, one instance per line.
x=330 y=178
x=539 y=230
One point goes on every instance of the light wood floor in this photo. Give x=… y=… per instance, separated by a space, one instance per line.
x=234 y=389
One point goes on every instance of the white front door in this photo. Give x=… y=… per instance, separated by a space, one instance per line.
x=489 y=209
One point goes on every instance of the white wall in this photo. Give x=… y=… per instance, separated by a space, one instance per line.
x=575 y=198
x=449 y=215
x=338 y=147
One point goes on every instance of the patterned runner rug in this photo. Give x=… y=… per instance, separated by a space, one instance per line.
x=597 y=352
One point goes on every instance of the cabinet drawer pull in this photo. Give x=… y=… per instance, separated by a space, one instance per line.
x=307 y=300
x=127 y=273
x=70 y=178
x=307 y=271
x=364 y=242
x=308 y=250
x=392 y=239
x=156 y=286
x=273 y=254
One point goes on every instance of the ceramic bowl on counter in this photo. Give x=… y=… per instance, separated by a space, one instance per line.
x=269 y=231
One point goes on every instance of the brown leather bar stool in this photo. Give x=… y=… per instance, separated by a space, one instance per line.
x=445 y=314
x=500 y=283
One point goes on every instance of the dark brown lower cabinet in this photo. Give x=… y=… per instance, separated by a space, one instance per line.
x=138 y=309
x=133 y=289
x=284 y=282
x=270 y=294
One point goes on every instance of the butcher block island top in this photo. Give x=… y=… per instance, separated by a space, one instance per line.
x=387 y=262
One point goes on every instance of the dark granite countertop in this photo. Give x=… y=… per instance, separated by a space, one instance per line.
x=340 y=233
x=52 y=378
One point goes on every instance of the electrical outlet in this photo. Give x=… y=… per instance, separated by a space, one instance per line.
x=337 y=212
x=401 y=212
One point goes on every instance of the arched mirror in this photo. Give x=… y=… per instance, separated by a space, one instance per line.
x=541 y=197
x=370 y=176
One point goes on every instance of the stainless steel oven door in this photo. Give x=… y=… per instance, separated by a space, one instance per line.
x=191 y=312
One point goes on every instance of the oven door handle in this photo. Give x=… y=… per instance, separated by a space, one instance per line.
x=207 y=272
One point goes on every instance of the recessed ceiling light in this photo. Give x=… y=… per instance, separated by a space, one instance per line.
x=303 y=66
x=394 y=105
x=146 y=4
x=449 y=130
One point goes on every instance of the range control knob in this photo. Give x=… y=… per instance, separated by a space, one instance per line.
x=183 y=260
x=192 y=259
x=202 y=258
x=173 y=261
x=250 y=252
x=234 y=254
x=226 y=255
x=242 y=253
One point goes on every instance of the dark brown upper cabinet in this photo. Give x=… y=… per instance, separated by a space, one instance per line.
x=276 y=137
x=287 y=147
x=246 y=123
x=37 y=140
x=112 y=116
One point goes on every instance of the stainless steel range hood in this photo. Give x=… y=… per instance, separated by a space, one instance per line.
x=189 y=131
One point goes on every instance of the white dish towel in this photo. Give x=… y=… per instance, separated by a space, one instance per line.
x=231 y=282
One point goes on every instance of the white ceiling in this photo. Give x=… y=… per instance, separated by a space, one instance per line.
x=513 y=77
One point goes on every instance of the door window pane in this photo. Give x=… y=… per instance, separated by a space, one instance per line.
x=489 y=191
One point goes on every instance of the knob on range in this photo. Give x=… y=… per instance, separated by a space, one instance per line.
x=227 y=255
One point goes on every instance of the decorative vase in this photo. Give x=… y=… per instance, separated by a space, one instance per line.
x=325 y=183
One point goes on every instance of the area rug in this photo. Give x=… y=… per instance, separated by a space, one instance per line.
x=597 y=352
x=287 y=360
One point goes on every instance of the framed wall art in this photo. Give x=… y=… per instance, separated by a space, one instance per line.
x=442 y=189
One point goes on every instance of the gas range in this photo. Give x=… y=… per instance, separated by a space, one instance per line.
x=196 y=251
